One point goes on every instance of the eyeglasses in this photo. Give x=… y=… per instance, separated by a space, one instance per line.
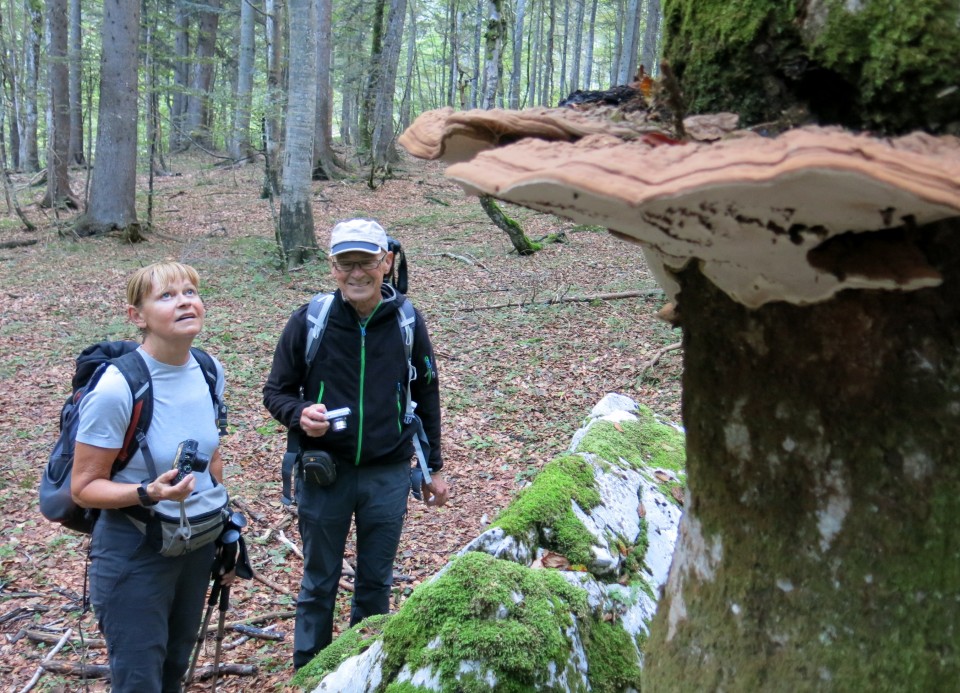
x=341 y=266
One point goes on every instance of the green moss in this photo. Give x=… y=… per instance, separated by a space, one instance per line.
x=611 y=659
x=351 y=643
x=642 y=443
x=476 y=610
x=546 y=503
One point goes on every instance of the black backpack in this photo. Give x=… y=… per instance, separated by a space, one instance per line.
x=56 y=502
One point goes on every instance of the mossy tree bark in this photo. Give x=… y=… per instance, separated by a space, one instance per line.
x=885 y=64
x=820 y=548
x=521 y=243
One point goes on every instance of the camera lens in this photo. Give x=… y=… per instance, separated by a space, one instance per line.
x=339 y=424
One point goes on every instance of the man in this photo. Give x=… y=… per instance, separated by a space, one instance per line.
x=361 y=364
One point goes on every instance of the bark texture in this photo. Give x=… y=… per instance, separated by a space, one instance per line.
x=883 y=64
x=820 y=549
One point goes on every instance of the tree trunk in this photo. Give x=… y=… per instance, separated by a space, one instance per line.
x=58 y=193
x=651 y=38
x=627 y=66
x=297 y=241
x=883 y=65
x=113 y=188
x=384 y=136
x=820 y=549
x=591 y=29
x=577 y=45
x=325 y=164
x=493 y=49
x=240 y=147
x=29 y=149
x=198 y=114
x=181 y=77
x=76 y=91
x=368 y=100
x=522 y=244
x=273 y=101
x=517 y=58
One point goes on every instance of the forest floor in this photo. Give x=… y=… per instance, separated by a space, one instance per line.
x=520 y=366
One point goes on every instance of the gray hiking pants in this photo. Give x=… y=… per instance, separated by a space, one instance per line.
x=377 y=498
x=148 y=607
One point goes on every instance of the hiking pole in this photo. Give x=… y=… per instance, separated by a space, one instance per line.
x=215 y=589
x=224 y=601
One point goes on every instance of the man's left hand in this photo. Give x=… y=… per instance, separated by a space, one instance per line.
x=436 y=492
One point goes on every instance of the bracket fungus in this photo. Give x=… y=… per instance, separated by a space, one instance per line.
x=818 y=276
x=783 y=218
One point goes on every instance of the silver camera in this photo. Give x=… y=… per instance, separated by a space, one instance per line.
x=338 y=418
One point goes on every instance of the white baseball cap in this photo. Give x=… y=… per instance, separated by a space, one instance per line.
x=364 y=235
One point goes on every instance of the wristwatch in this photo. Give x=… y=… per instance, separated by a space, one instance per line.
x=145 y=500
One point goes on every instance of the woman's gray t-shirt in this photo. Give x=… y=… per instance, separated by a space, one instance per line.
x=182 y=409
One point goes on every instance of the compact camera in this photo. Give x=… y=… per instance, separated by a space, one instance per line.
x=338 y=418
x=189 y=460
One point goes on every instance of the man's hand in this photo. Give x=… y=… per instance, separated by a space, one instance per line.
x=436 y=492
x=313 y=420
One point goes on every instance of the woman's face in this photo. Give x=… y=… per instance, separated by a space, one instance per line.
x=172 y=312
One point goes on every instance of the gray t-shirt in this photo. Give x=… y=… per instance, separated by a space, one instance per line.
x=182 y=409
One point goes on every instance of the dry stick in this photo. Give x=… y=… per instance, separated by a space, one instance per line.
x=40 y=669
x=568 y=299
x=293 y=547
x=659 y=355
x=461 y=258
x=48 y=638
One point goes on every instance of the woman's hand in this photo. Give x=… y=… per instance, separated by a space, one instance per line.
x=163 y=488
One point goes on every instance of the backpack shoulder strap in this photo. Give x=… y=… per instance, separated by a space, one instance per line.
x=134 y=370
x=407 y=318
x=210 y=374
x=318 y=312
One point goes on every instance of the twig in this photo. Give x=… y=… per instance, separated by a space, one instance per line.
x=659 y=355
x=569 y=299
x=259 y=577
x=40 y=669
x=293 y=547
x=40 y=636
x=462 y=258
x=18 y=244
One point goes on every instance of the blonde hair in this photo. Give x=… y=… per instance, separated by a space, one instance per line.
x=158 y=275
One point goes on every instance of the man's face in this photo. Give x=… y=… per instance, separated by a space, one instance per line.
x=359 y=276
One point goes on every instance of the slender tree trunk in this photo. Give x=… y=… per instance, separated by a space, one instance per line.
x=240 y=147
x=591 y=29
x=493 y=56
x=58 y=136
x=408 y=82
x=631 y=31
x=368 y=101
x=563 y=52
x=198 y=102
x=274 y=104
x=517 y=61
x=297 y=241
x=76 y=77
x=651 y=38
x=577 y=45
x=476 y=71
x=113 y=188
x=384 y=139
x=181 y=77
x=29 y=148
x=521 y=243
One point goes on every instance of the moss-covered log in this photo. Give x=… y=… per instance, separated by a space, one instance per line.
x=889 y=65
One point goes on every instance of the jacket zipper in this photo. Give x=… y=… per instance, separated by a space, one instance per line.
x=363 y=377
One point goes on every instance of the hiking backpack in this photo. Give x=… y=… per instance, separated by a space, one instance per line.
x=56 y=501
x=318 y=312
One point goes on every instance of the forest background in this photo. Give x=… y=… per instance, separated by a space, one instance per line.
x=193 y=168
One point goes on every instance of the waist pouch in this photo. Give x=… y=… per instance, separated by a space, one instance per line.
x=318 y=467
x=175 y=528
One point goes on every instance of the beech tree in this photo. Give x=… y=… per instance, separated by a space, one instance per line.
x=113 y=187
x=58 y=137
x=296 y=231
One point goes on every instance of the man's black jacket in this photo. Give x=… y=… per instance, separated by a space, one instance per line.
x=364 y=368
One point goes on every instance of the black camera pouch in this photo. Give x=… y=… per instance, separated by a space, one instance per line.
x=318 y=467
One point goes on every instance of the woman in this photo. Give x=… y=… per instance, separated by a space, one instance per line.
x=149 y=606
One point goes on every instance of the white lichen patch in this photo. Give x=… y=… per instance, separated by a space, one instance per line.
x=834 y=504
x=736 y=434
x=696 y=560
x=784 y=585
x=918 y=465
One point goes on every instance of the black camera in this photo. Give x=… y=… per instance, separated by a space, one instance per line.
x=189 y=460
x=338 y=418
